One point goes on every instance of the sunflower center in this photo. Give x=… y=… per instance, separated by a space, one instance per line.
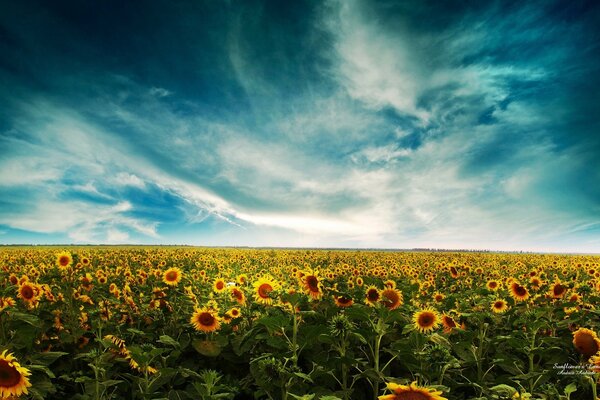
x=373 y=295
x=206 y=319
x=9 y=376
x=520 y=290
x=63 y=260
x=171 y=276
x=425 y=320
x=449 y=322
x=264 y=290
x=344 y=300
x=391 y=298
x=586 y=345
x=559 y=290
x=27 y=292
x=498 y=304
x=313 y=283
x=412 y=396
x=220 y=285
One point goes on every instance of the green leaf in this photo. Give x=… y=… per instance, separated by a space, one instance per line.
x=209 y=348
x=169 y=341
x=303 y=376
x=27 y=318
x=47 y=358
x=571 y=387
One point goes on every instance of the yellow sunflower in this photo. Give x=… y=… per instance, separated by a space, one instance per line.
x=426 y=320
x=518 y=292
x=234 y=312
x=238 y=295
x=411 y=392
x=391 y=298
x=263 y=288
x=205 y=320
x=499 y=306
x=28 y=292
x=448 y=323
x=172 y=276
x=13 y=377
x=219 y=285
x=64 y=259
x=372 y=295
x=312 y=285
x=586 y=341
x=557 y=290
x=343 y=301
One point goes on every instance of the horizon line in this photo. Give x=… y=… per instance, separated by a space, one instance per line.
x=383 y=249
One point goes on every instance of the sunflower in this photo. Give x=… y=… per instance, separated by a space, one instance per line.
x=6 y=302
x=13 y=377
x=586 y=342
x=263 y=288
x=389 y=284
x=242 y=279
x=518 y=292
x=595 y=363
x=499 y=306
x=426 y=320
x=411 y=392
x=238 y=295
x=312 y=285
x=234 y=312
x=438 y=297
x=219 y=285
x=492 y=285
x=172 y=276
x=205 y=320
x=64 y=259
x=343 y=301
x=372 y=295
x=28 y=292
x=557 y=290
x=391 y=298
x=448 y=323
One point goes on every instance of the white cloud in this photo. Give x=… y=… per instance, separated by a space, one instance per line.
x=374 y=67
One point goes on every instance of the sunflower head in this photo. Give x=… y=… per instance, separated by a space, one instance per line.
x=263 y=289
x=343 y=301
x=411 y=392
x=499 y=306
x=205 y=320
x=172 y=276
x=219 y=285
x=557 y=290
x=372 y=295
x=391 y=298
x=426 y=320
x=64 y=259
x=518 y=292
x=339 y=325
x=312 y=285
x=13 y=378
x=586 y=341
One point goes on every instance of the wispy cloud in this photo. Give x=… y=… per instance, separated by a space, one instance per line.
x=355 y=123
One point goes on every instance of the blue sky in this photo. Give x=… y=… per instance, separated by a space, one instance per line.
x=457 y=124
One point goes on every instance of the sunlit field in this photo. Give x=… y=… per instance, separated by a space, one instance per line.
x=196 y=323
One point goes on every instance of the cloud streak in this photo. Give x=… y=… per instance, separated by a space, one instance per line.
x=346 y=124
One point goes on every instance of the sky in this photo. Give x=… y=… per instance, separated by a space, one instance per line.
x=368 y=124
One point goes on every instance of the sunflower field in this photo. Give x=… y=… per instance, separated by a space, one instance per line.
x=198 y=323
